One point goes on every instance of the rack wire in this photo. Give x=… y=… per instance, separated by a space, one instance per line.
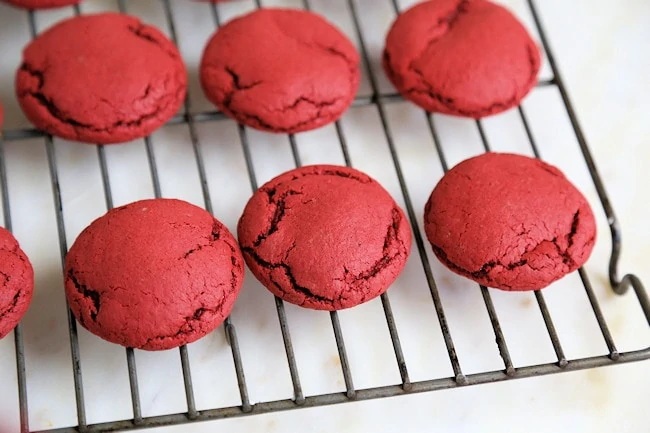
x=378 y=100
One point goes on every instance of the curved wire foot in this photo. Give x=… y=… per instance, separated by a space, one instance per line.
x=629 y=280
x=622 y=285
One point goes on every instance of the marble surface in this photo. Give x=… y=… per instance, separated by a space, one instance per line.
x=602 y=50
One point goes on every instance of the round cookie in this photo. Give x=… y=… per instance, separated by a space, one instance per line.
x=41 y=4
x=509 y=221
x=280 y=70
x=468 y=58
x=153 y=275
x=324 y=237
x=16 y=283
x=105 y=78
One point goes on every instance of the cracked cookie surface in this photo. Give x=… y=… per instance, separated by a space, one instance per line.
x=105 y=78
x=41 y=4
x=509 y=221
x=469 y=58
x=280 y=70
x=16 y=283
x=324 y=237
x=153 y=274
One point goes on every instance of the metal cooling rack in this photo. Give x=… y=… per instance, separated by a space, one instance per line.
x=378 y=100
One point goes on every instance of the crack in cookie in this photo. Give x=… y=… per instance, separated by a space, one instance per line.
x=93 y=295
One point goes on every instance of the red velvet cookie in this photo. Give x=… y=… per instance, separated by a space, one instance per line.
x=324 y=237
x=280 y=70
x=509 y=221
x=41 y=4
x=469 y=58
x=16 y=283
x=153 y=275
x=105 y=78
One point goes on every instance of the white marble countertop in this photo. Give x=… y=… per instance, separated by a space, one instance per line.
x=602 y=50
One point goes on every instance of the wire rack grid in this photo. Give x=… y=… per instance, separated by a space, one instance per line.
x=380 y=101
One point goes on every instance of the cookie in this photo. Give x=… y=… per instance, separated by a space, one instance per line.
x=41 y=4
x=105 y=78
x=153 y=275
x=509 y=221
x=280 y=70
x=324 y=237
x=468 y=58
x=2 y=118
x=16 y=283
